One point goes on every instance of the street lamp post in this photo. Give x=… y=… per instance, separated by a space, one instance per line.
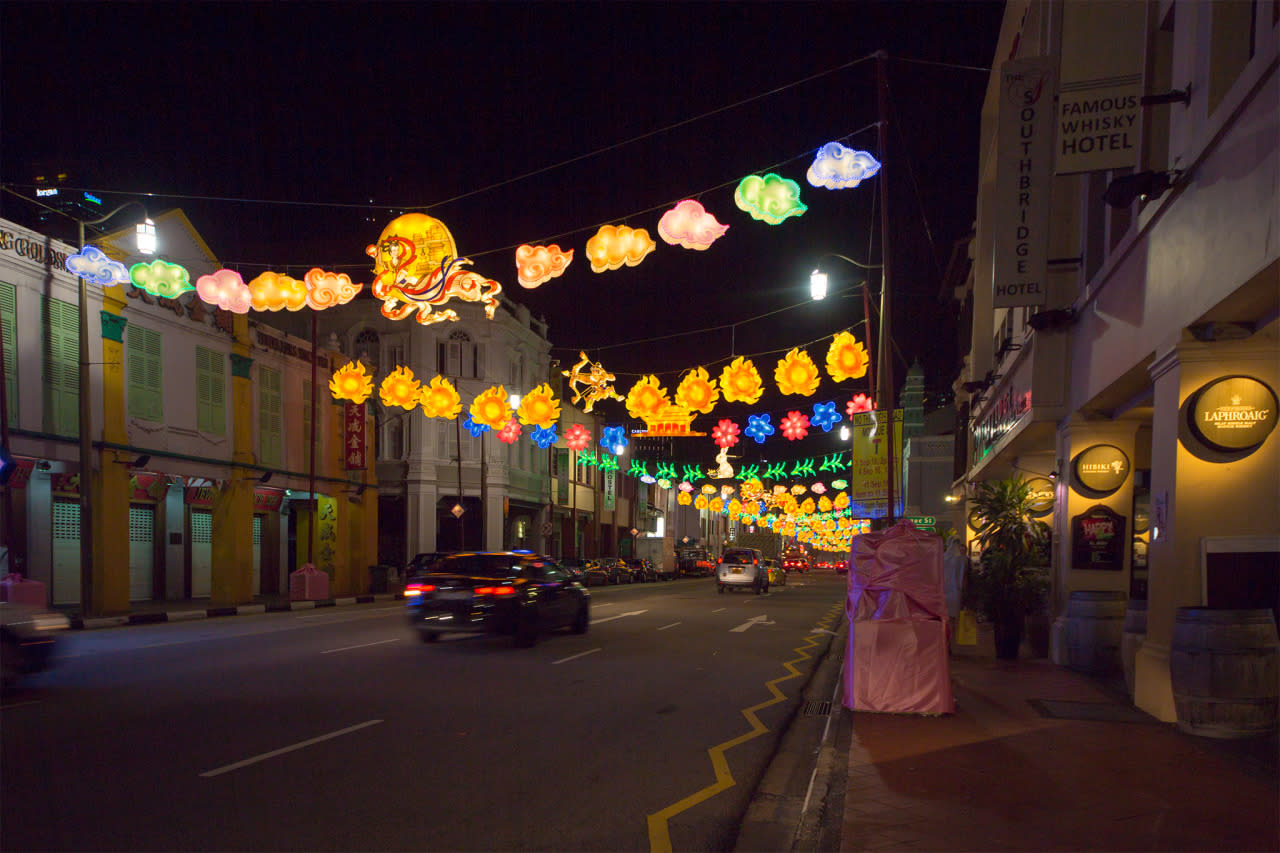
x=146 y=237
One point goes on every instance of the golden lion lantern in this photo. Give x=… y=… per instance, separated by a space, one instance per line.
x=416 y=268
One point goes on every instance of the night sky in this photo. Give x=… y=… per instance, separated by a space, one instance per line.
x=290 y=133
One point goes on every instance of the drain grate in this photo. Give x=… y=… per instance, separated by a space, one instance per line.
x=817 y=709
x=1098 y=712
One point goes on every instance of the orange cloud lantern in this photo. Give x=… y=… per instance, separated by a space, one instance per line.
x=272 y=291
x=647 y=399
x=689 y=225
x=351 y=382
x=847 y=358
x=439 y=399
x=697 y=391
x=537 y=265
x=614 y=246
x=400 y=389
x=539 y=407
x=491 y=408
x=796 y=373
x=326 y=289
x=740 y=382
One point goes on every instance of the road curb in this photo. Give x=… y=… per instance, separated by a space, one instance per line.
x=152 y=618
x=789 y=801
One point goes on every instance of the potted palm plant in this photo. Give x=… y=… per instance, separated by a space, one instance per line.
x=1010 y=580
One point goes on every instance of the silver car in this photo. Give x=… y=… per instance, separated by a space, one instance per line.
x=742 y=567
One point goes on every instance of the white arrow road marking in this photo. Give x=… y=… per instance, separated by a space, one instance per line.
x=754 y=620
x=665 y=627
x=264 y=756
x=619 y=616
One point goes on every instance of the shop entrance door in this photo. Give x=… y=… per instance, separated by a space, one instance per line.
x=142 y=552
x=201 y=553
x=66 y=553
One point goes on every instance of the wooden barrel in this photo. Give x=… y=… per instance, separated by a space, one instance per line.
x=1094 y=623
x=1224 y=666
x=1135 y=631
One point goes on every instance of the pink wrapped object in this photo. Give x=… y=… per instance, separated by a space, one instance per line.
x=896 y=659
x=14 y=587
x=308 y=584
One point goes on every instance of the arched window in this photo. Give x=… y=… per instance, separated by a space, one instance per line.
x=460 y=357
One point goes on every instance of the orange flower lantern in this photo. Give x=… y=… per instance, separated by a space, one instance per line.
x=647 y=399
x=847 y=358
x=439 y=399
x=697 y=391
x=740 y=382
x=539 y=407
x=796 y=373
x=351 y=382
x=491 y=408
x=400 y=389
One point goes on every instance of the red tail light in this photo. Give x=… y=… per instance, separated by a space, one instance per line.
x=495 y=590
x=418 y=589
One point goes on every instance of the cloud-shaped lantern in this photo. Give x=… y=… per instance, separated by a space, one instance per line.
x=226 y=289
x=272 y=291
x=616 y=245
x=92 y=264
x=838 y=168
x=689 y=225
x=770 y=199
x=161 y=278
x=537 y=265
x=326 y=289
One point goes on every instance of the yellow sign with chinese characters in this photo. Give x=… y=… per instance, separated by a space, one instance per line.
x=869 y=462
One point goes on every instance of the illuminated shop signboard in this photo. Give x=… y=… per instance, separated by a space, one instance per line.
x=1001 y=417
x=1233 y=413
x=1101 y=469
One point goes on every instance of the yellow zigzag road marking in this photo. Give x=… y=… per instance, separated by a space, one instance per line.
x=659 y=831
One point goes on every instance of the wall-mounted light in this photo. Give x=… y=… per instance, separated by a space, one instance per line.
x=136 y=462
x=1173 y=96
x=1052 y=320
x=264 y=479
x=1147 y=186
x=43 y=465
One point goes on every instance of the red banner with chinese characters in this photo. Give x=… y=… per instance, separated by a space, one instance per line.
x=353 y=417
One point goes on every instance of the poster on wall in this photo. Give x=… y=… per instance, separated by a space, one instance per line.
x=1098 y=539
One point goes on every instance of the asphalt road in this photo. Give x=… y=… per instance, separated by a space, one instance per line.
x=336 y=729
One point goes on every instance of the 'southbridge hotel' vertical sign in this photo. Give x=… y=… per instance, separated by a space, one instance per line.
x=1024 y=168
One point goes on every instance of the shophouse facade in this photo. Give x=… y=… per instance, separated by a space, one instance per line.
x=200 y=475
x=1122 y=293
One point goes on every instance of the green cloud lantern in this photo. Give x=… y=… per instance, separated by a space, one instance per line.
x=770 y=199
x=161 y=278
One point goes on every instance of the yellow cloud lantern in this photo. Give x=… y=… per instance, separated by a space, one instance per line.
x=697 y=391
x=647 y=399
x=272 y=291
x=439 y=399
x=740 y=382
x=351 y=382
x=847 y=358
x=491 y=408
x=796 y=373
x=400 y=389
x=539 y=407
x=614 y=246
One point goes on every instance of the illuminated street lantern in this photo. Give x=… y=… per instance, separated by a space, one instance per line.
x=740 y=382
x=838 y=168
x=539 y=408
x=647 y=399
x=614 y=246
x=327 y=289
x=491 y=409
x=161 y=278
x=225 y=289
x=536 y=265
x=697 y=391
x=689 y=225
x=272 y=291
x=400 y=389
x=589 y=381
x=93 y=265
x=847 y=358
x=439 y=399
x=770 y=199
x=351 y=382
x=796 y=373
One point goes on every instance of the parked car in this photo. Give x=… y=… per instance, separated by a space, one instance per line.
x=642 y=570
x=694 y=561
x=607 y=570
x=28 y=639
x=742 y=567
x=576 y=568
x=776 y=573
x=499 y=592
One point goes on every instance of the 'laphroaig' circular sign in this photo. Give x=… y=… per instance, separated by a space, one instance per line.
x=1233 y=413
x=1102 y=468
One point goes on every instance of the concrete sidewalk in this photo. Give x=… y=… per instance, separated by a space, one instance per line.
x=1038 y=757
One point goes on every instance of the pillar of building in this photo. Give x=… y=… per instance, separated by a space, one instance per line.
x=1075 y=437
x=1196 y=495
x=109 y=483
x=231 y=556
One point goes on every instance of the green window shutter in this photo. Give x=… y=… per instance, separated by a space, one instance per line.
x=61 y=367
x=211 y=391
x=8 y=323
x=144 y=373
x=270 y=425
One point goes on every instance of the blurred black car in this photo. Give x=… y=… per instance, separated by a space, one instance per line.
x=643 y=571
x=496 y=592
x=576 y=568
x=28 y=639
